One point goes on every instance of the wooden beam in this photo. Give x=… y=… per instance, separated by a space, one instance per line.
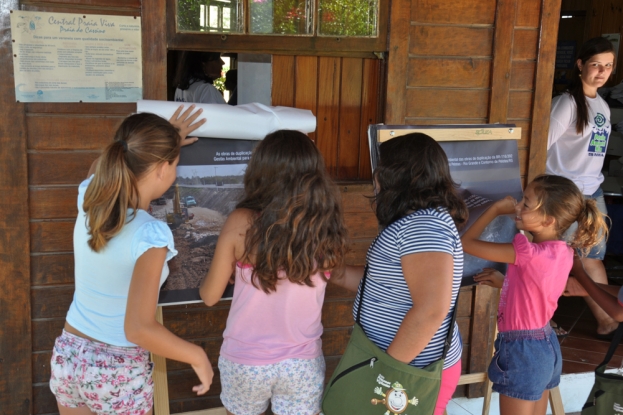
x=154 y=21
x=485 y=306
x=15 y=327
x=502 y=60
x=399 y=27
x=546 y=58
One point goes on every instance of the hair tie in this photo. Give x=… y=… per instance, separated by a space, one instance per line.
x=124 y=144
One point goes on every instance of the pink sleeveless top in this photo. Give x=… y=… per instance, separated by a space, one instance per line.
x=267 y=328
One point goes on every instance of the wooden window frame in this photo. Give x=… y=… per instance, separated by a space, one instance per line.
x=279 y=44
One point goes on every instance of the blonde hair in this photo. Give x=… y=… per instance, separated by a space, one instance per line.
x=561 y=199
x=141 y=142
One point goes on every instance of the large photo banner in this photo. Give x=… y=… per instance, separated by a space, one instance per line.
x=484 y=163
x=209 y=184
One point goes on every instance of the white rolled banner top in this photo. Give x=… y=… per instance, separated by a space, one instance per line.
x=243 y=122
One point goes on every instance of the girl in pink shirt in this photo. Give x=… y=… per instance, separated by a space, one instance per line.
x=280 y=244
x=527 y=361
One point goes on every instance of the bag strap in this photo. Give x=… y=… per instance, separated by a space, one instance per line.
x=447 y=342
x=618 y=335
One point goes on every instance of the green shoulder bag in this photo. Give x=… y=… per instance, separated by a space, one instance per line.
x=368 y=381
x=606 y=397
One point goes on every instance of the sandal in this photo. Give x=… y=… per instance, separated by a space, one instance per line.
x=560 y=332
x=606 y=337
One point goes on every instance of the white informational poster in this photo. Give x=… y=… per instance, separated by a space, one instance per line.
x=63 y=57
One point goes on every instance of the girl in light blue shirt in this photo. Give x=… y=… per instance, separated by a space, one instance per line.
x=100 y=363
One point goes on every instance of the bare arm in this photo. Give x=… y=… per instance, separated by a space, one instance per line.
x=429 y=277
x=142 y=328
x=348 y=276
x=606 y=296
x=490 y=250
x=229 y=248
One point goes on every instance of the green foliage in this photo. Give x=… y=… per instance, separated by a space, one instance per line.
x=188 y=12
x=347 y=17
x=291 y=17
x=287 y=17
x=219 y=83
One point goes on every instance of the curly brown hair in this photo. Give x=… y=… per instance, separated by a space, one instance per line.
x=561 y=199
x=413 y=174
x=299 y=227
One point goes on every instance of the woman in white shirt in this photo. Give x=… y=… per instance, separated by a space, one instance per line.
x=576 y=148
x=195 y=78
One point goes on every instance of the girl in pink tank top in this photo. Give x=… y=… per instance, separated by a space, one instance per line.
x=527 y=360
x=279 y=245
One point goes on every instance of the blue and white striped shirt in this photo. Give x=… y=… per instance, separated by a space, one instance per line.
x=387 y=298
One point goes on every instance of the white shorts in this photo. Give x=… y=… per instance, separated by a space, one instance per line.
x=293 y=386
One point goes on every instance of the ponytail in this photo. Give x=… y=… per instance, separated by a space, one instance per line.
x=141 y=142
x=592 y=228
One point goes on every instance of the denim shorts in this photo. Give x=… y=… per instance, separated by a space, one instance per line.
x=526 y=363
x=599 y=250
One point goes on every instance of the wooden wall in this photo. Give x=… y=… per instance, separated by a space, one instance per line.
x=344 y=94
x=448 y=62
x=467 y=62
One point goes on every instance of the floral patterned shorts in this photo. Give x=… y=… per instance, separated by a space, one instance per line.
x=293 y=386
x=107 y=379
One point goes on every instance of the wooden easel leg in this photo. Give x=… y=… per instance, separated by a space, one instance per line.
x=486 y=404
x=555 y=401
x=161 y=388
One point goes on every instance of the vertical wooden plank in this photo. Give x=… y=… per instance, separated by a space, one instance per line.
x=15 y=327
x=369 y=108
x=502 y=59
x=283 y=81
x=154 y=38
x=484 y=307
x=398 y=62
x=595 y=14
x=543 y=86
x=327 y=118
x=350 y=118
x=306 y=81
x=161 y=389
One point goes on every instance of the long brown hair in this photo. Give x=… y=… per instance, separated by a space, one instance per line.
x=561 y=199
x=590 y=48
x=141 y=142
x=298 y=227
x=413 y=174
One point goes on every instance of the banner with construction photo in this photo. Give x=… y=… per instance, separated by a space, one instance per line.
x=208 y=186
x=484 y=162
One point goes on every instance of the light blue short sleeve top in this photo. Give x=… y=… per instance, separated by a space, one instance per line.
x=103 y=278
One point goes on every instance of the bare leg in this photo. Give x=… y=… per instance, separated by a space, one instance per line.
x=540 y=408
x=83 y=410
x=514 y=406
x=596 y=270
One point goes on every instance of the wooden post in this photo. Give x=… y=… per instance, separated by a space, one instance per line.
x=161 y=388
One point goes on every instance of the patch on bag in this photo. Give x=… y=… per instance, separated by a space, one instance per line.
x=617 y=407
x=395 y=398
